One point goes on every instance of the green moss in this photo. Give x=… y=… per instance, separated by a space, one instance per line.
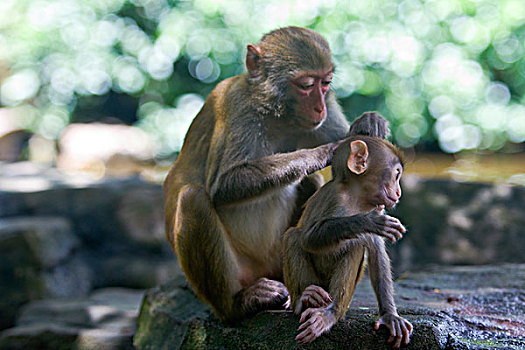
x=488 y=344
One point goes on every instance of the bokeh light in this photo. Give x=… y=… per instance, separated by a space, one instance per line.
x=444 y=72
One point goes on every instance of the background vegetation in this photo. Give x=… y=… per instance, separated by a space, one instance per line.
x=448 y=74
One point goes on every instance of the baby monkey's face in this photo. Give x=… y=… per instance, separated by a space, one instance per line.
x=390 y=189
x=376 y=166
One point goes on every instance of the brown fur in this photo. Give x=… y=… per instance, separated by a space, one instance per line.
x=327 y=248
x=243 y=175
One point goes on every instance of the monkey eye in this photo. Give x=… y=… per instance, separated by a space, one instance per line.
x=326 y=82
x=306 y=86
x=398 y=174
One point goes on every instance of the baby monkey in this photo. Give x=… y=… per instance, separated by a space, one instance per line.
x=342 y=220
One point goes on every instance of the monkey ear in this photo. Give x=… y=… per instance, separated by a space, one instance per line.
x=253 y=60
x=357 y=162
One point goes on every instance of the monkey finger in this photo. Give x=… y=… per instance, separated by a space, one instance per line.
x=388 y=236
x=393 y=233
x=399 y=227
x=399 y=335
x=321 y=293
x=306 y=315
x=305 y=324
x=409 y=326
x=308 y=299
x=378 y=324
x=301 y=337
x=317 y=300
x=318 y=326
x=287 y=304
x=395 y=224
x=312 y=331
x=305 y=337
x=397 y=343
x=276 y=286
x=406 y=334
x=392 y=219
x=397 y=234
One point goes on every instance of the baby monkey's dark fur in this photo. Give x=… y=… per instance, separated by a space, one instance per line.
x=324 y=255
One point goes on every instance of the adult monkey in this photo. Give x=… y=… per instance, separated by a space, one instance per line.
x=242 y=175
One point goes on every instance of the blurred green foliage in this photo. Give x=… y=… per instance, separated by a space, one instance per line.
x=444 y=72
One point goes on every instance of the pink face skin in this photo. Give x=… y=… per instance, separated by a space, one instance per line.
x=309 y=90
x=391 y=190
x=388 y=192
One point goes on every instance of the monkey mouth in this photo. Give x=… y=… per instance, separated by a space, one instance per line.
x=312 y=124
x=392 y=201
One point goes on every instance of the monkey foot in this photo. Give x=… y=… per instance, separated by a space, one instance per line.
x=264 y=294
x=314 y=322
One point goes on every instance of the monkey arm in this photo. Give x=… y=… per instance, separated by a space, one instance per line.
x=327 y=233
x=381 y=275
x=251 y=178
x=381 y=278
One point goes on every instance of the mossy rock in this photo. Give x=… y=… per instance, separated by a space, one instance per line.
x=450 y=308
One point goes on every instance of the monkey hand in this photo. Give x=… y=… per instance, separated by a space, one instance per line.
x=315 y=322
x=313 y=296
x=400 y=329
x=371 y=124
x=326 y=151
x=384 y=225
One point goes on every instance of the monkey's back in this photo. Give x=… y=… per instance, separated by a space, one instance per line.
x=192 y=164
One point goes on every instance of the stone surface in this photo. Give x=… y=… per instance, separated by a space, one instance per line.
x=450 y=307
x=448 y=222
x=105 y=320
x=115 y=238
x=132 y=271
x=49 y=239
x=141 y=214
x=63 y=235
x=38 y=260
x=101 y=211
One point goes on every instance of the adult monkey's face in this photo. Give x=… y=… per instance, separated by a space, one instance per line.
x=293 y=69
x=309 y=90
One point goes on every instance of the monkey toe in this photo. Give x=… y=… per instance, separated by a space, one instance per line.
x=265 y=294
x=312 y=328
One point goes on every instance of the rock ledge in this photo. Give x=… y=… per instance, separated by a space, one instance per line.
x=450 y=307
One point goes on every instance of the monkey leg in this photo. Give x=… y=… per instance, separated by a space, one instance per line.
x=211 y=265
x=345 y=278
x=346 y=275
x=297 y=269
